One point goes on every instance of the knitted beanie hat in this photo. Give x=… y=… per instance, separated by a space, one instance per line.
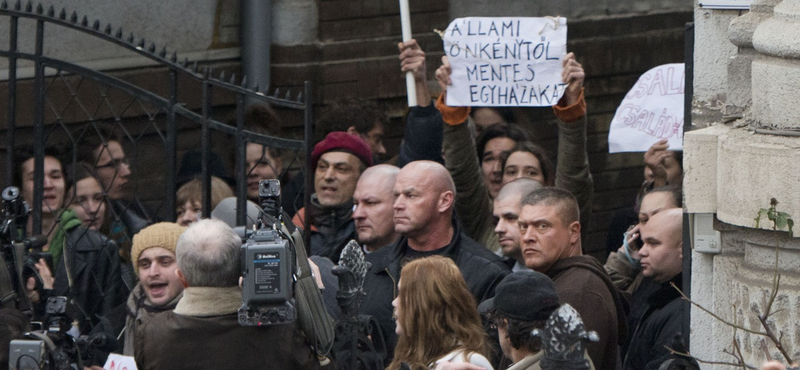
x=162 y=234
x=341 y=141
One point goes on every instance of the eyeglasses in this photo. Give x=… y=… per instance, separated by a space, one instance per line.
x=115 y=163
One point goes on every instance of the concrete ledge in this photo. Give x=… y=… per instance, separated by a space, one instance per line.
x=700 y=169
x=756 y=168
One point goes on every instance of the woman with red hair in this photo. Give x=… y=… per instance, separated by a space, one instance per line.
x=437 y=317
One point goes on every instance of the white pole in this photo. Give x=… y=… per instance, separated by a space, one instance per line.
x=405 y=22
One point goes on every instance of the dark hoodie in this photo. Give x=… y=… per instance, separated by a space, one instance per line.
x=582 y=282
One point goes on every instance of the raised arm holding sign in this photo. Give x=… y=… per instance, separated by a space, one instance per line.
x=509 y=61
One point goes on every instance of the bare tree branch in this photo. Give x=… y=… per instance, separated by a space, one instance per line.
x=720 y=319
x=750 y=367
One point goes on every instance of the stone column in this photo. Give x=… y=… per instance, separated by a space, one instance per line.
x=740 y=33
x=776 y=75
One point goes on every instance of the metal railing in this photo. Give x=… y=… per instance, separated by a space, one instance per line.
x=71 y=101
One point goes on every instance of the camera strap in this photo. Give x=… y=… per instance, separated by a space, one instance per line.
x=315 y=321
x=8 y=295
x=18 y=254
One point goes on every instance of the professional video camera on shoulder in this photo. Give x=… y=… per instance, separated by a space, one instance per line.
x=18 y=254
x=268 y=265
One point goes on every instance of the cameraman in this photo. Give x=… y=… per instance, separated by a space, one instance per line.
x=209 y=266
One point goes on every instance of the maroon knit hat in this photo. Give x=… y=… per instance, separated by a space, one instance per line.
x=343 y=142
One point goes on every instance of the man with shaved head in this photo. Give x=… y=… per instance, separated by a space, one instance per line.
x=507 y=205
x=423 y=215
x=662 y=312
x=372 y=202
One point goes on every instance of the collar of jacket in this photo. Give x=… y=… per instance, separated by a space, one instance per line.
x=209 y=301
x=399 y=248
x=667 y=293
x=328 y=217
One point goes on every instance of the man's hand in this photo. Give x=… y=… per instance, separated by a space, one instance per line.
x=443 y=75
x=774 y=365
x=412 y=59
x=631 y=236
x=447 y=365
x=572 y=74
x=654 y=160
x=316 y=274
x=47 y=281
x=45 y=274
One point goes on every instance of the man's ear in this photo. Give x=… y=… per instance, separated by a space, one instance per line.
x=575 y=231
x=352 y=131
x=446 y=200
x=182 y=278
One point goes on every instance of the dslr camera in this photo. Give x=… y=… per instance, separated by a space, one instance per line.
x=268 y=264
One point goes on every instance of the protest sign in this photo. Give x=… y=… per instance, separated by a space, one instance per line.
x=652 y=110
x=119 y=362
x=508 y=61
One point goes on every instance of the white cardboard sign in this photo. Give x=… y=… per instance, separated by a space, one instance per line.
x=652 y=110
x=119 y=362
x=507 y=61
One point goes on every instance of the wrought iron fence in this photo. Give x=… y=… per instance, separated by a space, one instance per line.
x=152 y=120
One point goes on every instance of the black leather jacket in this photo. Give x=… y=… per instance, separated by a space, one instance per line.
x=91 y=262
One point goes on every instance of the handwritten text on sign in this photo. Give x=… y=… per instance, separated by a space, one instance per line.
x=652 y=110
x=505 y=61
x=119 y=362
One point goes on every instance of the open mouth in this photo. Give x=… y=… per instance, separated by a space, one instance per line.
x=157 y=289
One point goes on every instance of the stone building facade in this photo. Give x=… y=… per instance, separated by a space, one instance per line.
x=745 y=151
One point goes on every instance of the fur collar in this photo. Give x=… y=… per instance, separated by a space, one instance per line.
x=209 y=301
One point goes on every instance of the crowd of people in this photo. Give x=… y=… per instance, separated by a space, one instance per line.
x=473 y=234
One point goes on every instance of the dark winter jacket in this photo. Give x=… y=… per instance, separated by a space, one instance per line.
x=331 y=228
x=482 y=270
x=88 y=273
x=582 y=282
x=656 y=329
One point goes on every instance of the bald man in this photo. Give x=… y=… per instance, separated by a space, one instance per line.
x=373 y=201
x=662 y=318
x=506 y=208
x=423 y=215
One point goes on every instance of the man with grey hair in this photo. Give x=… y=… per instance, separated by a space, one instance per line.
x=203 y=331
x=550 y=233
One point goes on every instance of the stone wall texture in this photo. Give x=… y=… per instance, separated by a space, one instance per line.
x=733 y=168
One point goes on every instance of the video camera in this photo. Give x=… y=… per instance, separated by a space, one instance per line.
x=52 y=348
x=268 y=265
x=18 y=255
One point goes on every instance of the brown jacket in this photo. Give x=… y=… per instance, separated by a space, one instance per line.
x=204 y=333
x=582 y=282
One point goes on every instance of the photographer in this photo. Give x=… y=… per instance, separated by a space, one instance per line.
x=53 y=191
x=208 y=256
